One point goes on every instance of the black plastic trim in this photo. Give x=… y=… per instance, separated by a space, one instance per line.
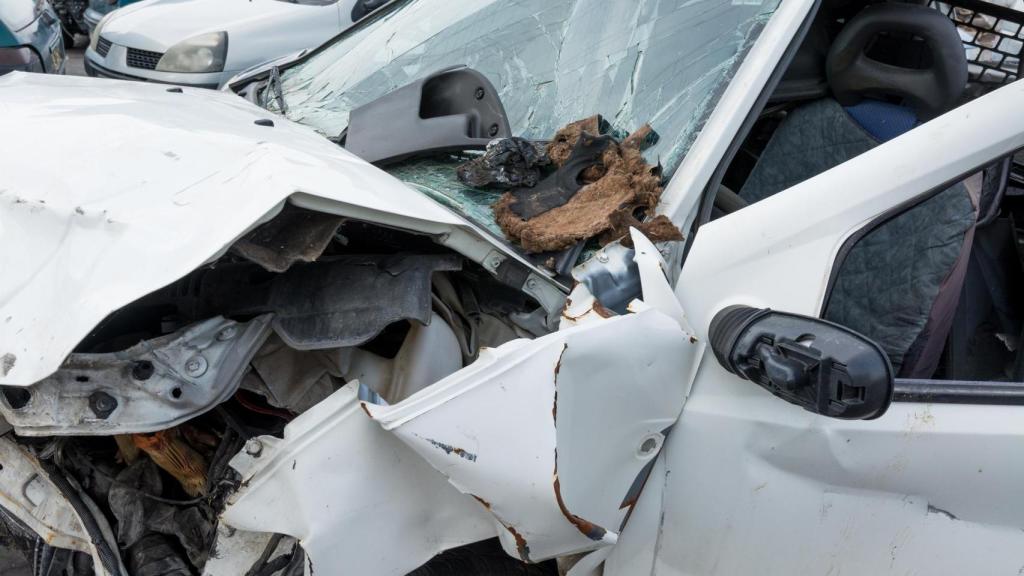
x=98 y=71
x=958 y=392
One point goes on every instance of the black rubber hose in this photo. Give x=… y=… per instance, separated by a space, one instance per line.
x=110 y=559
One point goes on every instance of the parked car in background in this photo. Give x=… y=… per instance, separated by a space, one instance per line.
x=30 y=37
x=97 y=9
x=203 y=42
x=72 y=18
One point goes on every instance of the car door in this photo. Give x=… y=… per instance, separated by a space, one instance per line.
x=750 y=484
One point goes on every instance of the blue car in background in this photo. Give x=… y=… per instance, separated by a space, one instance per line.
x=99 y=8
x=30 y=37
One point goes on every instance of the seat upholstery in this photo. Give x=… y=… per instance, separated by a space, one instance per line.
x=899 y=284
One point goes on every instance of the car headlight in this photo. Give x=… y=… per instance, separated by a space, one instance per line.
x=203 y=53
x=96 y=32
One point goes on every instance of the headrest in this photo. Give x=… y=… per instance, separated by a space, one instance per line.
x=930 y=91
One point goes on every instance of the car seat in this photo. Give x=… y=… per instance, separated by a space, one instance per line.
x=901 y=282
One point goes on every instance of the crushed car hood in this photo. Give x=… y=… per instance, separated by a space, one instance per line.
x=164 y=181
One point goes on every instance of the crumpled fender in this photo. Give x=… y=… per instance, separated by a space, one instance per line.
x=168 y=180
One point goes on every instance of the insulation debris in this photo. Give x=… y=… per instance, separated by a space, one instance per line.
x=169 y=451
x=139 y=516
x=616 y=186
x=507 y=163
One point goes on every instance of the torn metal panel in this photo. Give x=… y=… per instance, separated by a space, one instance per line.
x=528 y=427
x=582 y=308
x=28 y=494
x=334 y=475
x=154 y=385
x=80 y=243
x=654 y=280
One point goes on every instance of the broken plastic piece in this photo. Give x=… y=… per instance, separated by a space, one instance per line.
x=560 y=187
x=292 y=236
x=507 y=163
x=451 y=110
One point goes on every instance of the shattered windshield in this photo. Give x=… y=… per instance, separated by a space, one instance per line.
x=658 y=62
x=662 y=62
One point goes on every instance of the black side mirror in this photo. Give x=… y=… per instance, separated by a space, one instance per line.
x=818 y=365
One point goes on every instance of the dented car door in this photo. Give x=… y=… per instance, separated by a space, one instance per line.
x=750 y=483
x=519 y=435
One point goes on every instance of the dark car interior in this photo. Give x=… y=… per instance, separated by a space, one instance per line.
x=935 y=284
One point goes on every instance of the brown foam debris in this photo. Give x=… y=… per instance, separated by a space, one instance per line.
x=560 y=147
x=169 y=451
x=657 y=229
x=624 y=184
x=126 y=448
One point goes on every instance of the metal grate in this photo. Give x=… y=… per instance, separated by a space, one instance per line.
x=143 y=59
x=102 y=46
x=993 y=37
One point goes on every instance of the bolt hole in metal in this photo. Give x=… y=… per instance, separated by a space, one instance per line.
x=16 y=398
x=176 y=393
x=649 y=446
x=81 y=378
x=143 y=370
x=480 y=93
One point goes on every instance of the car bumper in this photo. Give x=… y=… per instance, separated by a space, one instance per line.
x=114 y=65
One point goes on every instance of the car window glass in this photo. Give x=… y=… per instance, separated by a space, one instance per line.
x=934 y=285
x=662 y=62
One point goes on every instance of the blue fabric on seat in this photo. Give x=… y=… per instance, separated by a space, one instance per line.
x=884 y=121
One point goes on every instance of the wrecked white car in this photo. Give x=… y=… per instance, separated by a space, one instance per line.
x=541 y=287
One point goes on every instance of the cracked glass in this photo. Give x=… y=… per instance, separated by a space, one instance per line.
x=661 y=62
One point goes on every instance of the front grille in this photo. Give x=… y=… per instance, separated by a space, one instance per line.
x=102 y=46
x=143 y=59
